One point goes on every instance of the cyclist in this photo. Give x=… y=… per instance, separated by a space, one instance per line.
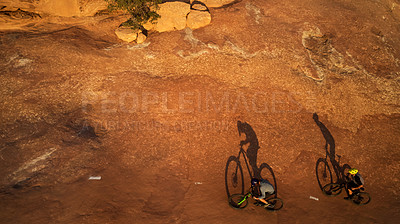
x=263 y=189
x=354 y=184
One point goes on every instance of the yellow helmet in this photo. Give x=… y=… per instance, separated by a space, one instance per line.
x=353 y=171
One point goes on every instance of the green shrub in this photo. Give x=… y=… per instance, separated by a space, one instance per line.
x=140 y=11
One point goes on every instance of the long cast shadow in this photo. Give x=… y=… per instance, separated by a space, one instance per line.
x=330 y=141
x=252 y=149
x=234 y=180
x=323 y=169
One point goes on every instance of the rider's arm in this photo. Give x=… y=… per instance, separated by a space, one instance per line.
x=357 y=180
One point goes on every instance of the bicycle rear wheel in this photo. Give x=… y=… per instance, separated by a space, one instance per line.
x=266 y=173
x=323 y=173
x=275 y=204
x=332 y=189
x=234 y=177
x=362 y=198
x=238 y=201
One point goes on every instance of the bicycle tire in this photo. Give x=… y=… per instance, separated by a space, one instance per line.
x=277 y=204
x=233 y=182
x=332 y=189
x=269 y=176
x=324 y=176
x=234 y=199
x=362 y=198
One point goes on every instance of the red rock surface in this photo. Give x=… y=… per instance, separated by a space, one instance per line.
x=157 y=124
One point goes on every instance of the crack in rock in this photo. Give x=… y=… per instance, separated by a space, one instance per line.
x=228 y=48
x=31 y=167
x=253 y=10
x=324 y=57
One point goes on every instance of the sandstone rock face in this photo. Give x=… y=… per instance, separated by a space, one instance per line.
x=91 y=7
x=149 y=25
x=60 y=8
x=215 y=3
x=198 y=6
x=140 y=38
x=126 y=34
x=173 y=16
x=66 y=8
x=197 y=19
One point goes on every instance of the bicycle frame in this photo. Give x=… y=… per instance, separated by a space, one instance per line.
x=244 y=198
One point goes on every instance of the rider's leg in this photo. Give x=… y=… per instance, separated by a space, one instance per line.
x=351 y=186
x=346 y=187
x=260 y=201
x=267 y=197
x=349 y=192
x=264 y=201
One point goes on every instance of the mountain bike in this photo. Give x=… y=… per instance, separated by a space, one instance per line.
x=240 y=201
x=234 y=181
x=359 y=197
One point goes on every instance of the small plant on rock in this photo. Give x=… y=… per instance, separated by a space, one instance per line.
x=141 y=11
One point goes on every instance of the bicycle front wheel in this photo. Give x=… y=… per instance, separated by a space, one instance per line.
x=362 y=198
x=275 y=204
x=238 y=201
x=233 y=177
x=332 y=189
x=323 y=172
x=344 y=171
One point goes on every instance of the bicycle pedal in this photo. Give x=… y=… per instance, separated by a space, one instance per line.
x=269 y=206
x=257 y=204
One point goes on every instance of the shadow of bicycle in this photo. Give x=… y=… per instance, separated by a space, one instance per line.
x=328 y=170
x=234 y=179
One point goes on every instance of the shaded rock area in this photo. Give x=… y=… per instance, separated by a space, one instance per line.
x=216 y=3
x=19 y=14
x=157 y=121
x=66 y=8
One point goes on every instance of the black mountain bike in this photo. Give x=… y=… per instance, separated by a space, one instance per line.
x=360 y=197
x=234 y=181
x=239 y=201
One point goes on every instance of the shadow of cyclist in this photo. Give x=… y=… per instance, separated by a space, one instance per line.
x=330 y=141
x=253 y=147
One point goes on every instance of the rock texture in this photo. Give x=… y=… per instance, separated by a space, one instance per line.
x=76 y=103
x=197 y=19
x=140 y=38
x=215 y=3
x=178 y=15
x=65 y=8
x=173 y=16
x=126 y=34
